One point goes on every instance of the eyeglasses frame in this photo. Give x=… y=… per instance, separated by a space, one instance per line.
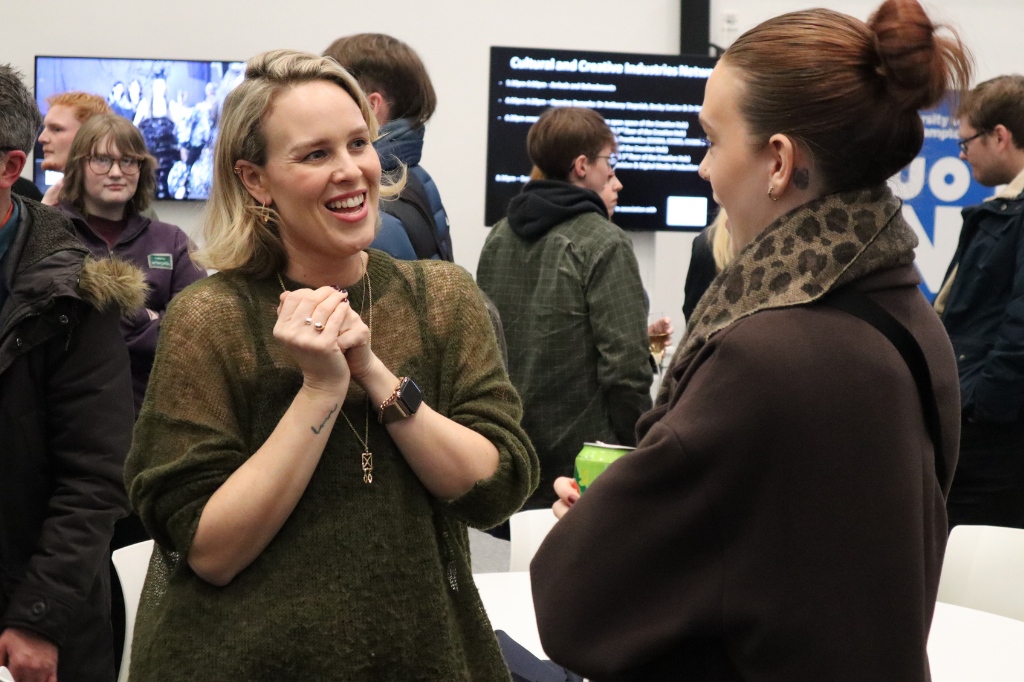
x=118 y=161
x=965 y=142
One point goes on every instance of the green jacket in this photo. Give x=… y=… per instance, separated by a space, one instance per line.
x=575 y=317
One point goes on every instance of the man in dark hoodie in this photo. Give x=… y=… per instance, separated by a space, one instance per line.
x=567 y=285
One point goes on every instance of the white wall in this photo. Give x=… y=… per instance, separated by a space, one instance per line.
x=453 y=37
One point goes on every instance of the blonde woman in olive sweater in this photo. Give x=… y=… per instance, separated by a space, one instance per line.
x=309 y=506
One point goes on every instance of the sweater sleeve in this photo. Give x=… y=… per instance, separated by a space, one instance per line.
x=188 y=440
x=618 y=317
x=477 y=394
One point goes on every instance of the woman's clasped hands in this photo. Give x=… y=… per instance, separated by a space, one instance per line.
x=326 y=337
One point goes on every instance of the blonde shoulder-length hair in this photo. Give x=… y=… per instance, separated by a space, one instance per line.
x=721 y=241
x=239 y=233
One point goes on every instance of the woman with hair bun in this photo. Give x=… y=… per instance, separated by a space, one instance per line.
x=783 y=515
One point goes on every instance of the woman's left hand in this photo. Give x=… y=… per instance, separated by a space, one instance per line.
x=354 y=342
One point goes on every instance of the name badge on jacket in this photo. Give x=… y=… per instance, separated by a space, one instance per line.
x=160 y=261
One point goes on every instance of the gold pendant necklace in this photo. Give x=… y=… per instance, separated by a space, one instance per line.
x=367 y=456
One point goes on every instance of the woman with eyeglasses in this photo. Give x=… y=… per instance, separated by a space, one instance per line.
x=109 y=180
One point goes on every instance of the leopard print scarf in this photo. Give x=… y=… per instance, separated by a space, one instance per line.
x=806 y=253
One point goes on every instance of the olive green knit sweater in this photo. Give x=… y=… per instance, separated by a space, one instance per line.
x=364 y=581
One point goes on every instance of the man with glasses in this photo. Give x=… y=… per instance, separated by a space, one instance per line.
x=65 y=426
x=567 y=285
x=981 y=303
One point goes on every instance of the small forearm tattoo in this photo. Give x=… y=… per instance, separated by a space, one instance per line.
x=802 y=178
x=317 y=430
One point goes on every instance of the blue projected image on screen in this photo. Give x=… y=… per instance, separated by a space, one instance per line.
x=176 y=104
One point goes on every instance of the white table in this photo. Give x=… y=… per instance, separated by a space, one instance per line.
x=508 y=602
x=973 y=645
x=965 y=645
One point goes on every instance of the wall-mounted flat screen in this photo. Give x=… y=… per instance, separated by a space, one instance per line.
x=175 y=103
x=651 y=102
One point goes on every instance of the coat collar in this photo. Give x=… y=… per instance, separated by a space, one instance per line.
x=136 y=224
x=399 y=142
x=814 y=249
x=1013 y=189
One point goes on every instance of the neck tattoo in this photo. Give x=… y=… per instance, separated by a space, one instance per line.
x=364 y=440
x=802 y=178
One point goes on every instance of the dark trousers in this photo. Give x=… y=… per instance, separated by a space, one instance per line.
x=988 y=487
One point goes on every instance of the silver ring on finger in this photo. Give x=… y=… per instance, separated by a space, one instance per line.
x=309 y=320
x=319 y=326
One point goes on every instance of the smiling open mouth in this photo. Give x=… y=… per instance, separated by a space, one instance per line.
x=349 y=205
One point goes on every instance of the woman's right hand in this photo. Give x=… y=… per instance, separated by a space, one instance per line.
x=568 y=495
x=322 y=362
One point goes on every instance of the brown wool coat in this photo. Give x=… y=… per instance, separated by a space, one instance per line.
x=781 y=521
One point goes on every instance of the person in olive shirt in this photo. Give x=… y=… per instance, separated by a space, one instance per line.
x=567 y=284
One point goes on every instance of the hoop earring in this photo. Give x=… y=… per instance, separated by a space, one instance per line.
x=770 y=194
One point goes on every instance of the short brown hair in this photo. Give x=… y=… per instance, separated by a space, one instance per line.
x=560 y=135
x=387 y=65
x=846 y=90
x=83 y=104
x=994 y=102
x=128 y=140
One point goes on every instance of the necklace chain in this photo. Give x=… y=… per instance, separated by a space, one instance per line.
x=367 y=456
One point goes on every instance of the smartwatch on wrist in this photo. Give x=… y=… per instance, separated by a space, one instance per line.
x=402 y=403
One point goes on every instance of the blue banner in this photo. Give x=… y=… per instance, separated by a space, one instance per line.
x=934 y=188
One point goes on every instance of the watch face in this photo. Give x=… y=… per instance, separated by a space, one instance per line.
x=410 y=395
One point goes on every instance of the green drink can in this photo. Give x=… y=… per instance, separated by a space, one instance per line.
x=593 y=459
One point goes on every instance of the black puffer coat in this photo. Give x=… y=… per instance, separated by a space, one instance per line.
x=65 y=427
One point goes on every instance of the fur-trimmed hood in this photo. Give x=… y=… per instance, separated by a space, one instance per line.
x=47 y=261
x=113 y=282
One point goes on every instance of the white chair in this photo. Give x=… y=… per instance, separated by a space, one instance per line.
x=132 y=563
x=526 y=531
x=984 y=570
